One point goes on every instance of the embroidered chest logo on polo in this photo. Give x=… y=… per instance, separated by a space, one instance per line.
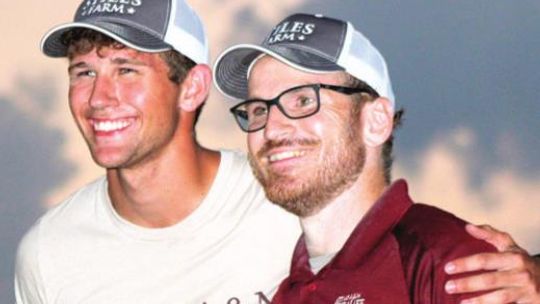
x=110 y=6
x=353 y=298
x=291 y=31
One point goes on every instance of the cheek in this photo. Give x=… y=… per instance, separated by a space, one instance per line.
x=255 y=141
x=330 y=122
x=149 y=95
x=132 y=94
x=78 y=99
x=318 y=128
x=315 y=127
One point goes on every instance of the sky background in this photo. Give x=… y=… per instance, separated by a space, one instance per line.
x=467 y=73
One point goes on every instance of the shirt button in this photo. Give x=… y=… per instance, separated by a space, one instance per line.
x=312 y=287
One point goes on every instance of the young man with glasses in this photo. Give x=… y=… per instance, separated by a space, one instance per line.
x=320 y=114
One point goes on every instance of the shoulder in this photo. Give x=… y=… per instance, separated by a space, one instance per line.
x=438 y=232
x=428 y=238
x=29 y=281
x=65 y=213
x=77 y=204
x=236 y=161
x=28 y=249
x=235 y=178
x=29 y=284
x=241 y=194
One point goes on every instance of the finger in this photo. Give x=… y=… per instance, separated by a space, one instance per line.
x=501 y=240
x=512 y=295
x=487 y=281
x=487 y=261
x=481 y=232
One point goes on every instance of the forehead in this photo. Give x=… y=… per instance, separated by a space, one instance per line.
x=118 y=52
x=270 y=75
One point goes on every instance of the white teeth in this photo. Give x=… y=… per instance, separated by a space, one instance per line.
x=110 y=125
x=284 y=155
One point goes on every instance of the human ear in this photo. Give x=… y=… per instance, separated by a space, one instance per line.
x=195 y=88
x=378 y=121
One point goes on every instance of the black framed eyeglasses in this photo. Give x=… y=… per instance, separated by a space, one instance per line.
x=295 y=103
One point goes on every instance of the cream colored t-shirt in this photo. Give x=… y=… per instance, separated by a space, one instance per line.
x=234 y=248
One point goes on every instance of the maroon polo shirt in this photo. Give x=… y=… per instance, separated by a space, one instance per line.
x=396 y=254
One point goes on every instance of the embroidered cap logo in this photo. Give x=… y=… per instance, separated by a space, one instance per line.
x=291 y=31
x=110 y=6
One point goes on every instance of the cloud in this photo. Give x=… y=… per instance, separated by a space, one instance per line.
x=223 y=17
x=32 y=165
x=503 y=197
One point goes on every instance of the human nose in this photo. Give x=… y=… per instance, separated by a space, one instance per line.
x=278 y=126
x=103 y=92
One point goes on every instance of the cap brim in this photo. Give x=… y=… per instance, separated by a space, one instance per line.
x=52 y=45
x=231 y=68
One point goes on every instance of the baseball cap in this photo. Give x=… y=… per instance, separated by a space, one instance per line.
x=144 y=25
x=310 y=43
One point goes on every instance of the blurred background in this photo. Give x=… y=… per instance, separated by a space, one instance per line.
x=467 y=73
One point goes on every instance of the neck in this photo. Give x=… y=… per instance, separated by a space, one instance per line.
x=327 y=231
x=165 y=190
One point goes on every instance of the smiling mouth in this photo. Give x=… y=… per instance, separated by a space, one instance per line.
x=110 y=125
x=285 y=155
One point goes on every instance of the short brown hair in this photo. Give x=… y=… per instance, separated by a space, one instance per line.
x=82 y=41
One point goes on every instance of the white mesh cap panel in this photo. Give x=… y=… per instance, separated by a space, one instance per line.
x=363 y=61
x=186 y=34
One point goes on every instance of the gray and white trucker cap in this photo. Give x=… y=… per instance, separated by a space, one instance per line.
x=144 y=25
x=311 y=43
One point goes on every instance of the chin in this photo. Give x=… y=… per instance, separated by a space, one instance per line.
x=298 y=199
x=108 y=162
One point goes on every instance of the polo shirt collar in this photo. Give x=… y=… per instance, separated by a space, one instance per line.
x=372 y=228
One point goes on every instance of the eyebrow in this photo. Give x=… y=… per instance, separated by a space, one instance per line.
x=118 y=61
x=121 y=60
x=76 y=65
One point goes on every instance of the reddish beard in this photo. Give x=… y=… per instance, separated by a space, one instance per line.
x=307 y=194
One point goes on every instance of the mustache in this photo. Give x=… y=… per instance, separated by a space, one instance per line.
x=272 y=144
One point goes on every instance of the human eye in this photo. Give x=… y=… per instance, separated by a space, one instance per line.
x=83 y=73
x=88 y=73
x=76 y=75
x=126 y=70
x=300 y=100
x=256 y=110
x=304 y=101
